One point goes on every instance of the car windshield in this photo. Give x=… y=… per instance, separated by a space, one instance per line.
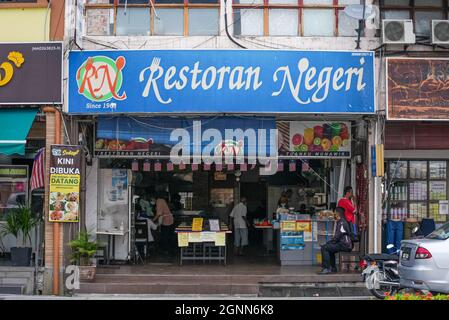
x=441 y=233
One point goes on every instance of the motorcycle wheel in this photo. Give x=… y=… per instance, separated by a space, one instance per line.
x=383 y=291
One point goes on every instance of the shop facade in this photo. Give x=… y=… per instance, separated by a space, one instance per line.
x=200 y=126
x=23 y=124
x=416 y=146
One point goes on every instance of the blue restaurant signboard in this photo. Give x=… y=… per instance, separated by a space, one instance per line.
x=215 y=81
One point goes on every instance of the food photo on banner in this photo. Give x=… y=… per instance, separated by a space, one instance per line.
x=65 y=164
x=210 y=81
x=132 y=136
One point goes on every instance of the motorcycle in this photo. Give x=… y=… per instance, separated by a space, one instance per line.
x=380 y=272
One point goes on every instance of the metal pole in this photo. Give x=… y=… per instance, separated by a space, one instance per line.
x=376 y=198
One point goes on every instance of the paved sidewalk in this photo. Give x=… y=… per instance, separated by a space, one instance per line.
x=171 y=297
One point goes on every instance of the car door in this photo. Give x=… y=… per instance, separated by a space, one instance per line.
x=441 y=253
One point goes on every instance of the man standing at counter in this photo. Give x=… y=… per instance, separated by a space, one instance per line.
x=348 y=203
x=240 y=224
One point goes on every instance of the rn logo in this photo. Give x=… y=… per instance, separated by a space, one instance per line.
x=100 y=78
x=56 y=152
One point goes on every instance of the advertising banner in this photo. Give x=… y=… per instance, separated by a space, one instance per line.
x=314 y=139
x=14 y=172
x=292 y=240
x=31 y=73
x=65 y=166
x=417 y=89
x=213 y=81
x=147 y=137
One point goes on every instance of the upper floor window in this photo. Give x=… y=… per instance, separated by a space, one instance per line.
x=421 y=11
x=293 y=18
x=141 y=18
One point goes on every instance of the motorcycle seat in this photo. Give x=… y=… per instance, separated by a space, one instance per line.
x=381 y=257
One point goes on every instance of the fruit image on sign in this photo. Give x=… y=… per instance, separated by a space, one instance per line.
x=313 y=139
x=297 y=139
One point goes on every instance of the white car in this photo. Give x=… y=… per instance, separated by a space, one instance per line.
x=424 y=262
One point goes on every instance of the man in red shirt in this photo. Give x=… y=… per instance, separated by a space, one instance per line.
x=347 y=203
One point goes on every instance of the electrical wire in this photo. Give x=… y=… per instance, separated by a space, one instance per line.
x=226 y=27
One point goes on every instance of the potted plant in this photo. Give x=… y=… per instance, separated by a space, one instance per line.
x=19 y=223
x=82 y=252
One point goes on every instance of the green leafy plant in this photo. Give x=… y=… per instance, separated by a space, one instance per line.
x=417 y=296
x=83 y=249
x=19 y=222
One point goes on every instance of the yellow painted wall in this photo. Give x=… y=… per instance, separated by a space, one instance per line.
x=24 y=25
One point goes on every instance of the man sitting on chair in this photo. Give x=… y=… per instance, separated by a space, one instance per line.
x=341 y=242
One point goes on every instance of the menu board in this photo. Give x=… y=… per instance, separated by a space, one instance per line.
x=197 y=224
x=288 y=225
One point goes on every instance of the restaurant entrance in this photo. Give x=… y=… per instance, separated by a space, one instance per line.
x=137 y=171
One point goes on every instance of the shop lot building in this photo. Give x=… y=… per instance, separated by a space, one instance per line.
x=415 y=190
x=177 y=66
x=30 y=50
x=171 y=70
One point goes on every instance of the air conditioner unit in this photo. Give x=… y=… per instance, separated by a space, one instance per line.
x=397 y=31
x=440 y=31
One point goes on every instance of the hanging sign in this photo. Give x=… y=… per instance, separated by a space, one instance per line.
x=216 y=81
x=65 y=164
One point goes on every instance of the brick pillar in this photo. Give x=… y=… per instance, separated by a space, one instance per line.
x=48 y=237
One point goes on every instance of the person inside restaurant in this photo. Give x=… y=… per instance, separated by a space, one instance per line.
x=164 y=217
x=240 y=226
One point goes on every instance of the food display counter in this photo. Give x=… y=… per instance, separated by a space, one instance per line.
x=301 y=236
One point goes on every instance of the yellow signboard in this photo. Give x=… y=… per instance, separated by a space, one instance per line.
x=65 y=181
x=197 y=224
x=183 y=239
x=288 y=225
x=194 y=237
x=220 y=239
x=303 y=226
